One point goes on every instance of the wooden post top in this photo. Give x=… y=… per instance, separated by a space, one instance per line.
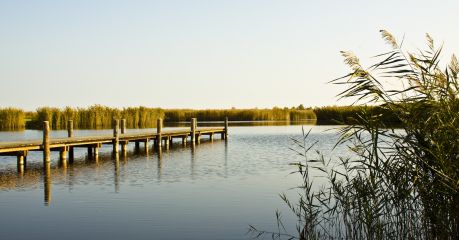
x=70 y=128
x=194 y=124
x=116 y=127
x=123 y=126
x=159 y=125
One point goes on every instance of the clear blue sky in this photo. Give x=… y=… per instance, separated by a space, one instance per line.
x=198 y=54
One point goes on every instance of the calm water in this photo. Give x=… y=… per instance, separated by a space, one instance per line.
x=213 y=191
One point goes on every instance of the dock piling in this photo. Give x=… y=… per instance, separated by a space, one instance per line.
x=96 y=151
x=226 y=128
x=193 y=130
x=63 y=154
x=116 y=135
x=70 y=135
x=159 y=128
x=70 y=128
x=123 y=126
x=124 y=147
x=46 y=149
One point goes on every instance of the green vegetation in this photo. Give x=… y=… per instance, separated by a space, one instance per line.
x=96 y=117
x=399 y=183
x=275 y=114
x=12 y=119
x=338 y=115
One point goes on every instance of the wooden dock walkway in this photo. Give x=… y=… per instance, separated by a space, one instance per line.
x=65 y=146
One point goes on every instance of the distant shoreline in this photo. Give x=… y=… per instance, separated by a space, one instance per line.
x=101 y=117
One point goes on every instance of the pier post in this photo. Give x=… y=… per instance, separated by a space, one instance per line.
x=90 y=152
x=116 y=135
x=184 y=139
x=137 y=146
x=70 y=128
x=96 y=151
x=124 y=147
x=21 y=160
x=211 y=137
x=63 y=156
x=166 y=142
x=123 y=126
x=226 y=128
x=159 y=128
x=146 y=145
x=70 y=135
x=193 y=130
x=46 y=149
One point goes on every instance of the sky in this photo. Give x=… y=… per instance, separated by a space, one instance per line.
x=200 y=54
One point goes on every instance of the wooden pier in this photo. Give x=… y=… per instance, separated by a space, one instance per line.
x=119 y=141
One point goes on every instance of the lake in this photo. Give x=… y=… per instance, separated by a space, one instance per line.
x=213 y=191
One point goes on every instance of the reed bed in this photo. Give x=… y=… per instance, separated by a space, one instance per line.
x=12 y=119
x=96 y=117
x=345 y=115
x=99 y=117
x=275 y=114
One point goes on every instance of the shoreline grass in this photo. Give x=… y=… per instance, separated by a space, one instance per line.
x=99 y=117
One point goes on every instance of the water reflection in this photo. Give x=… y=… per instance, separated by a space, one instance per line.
x=116 y=177
x=47 y=182
x=202 y=189
x=66 y=171
x=193 y=153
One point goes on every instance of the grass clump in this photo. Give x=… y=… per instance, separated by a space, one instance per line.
x=400 y=183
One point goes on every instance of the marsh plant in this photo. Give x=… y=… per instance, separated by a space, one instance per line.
x=12 y=119
x=399 y=183
x=98 y=116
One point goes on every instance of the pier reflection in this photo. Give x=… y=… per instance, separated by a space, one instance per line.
x=47 y=183
x=159 y=153
x=116 y=177
x=68 y=173
x=192 y=163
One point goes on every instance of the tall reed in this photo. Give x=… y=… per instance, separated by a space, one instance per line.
x=12 y=119
x=96 y=117
x=275 y=114
x=339 y=115
x=400 y=183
